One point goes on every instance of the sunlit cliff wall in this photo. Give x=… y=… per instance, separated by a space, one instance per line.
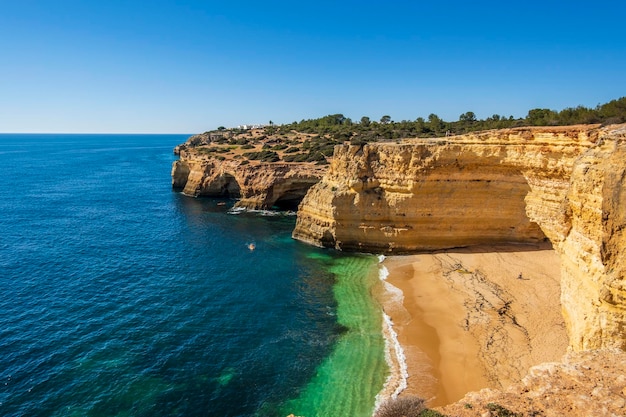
x=257 y=186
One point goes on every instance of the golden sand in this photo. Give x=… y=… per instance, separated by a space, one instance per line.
x=466 y=320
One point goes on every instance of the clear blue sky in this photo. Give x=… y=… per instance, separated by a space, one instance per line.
x=190 y=66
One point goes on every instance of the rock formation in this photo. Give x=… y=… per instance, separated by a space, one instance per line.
x=589 y=383
x=256 y=185
x=260 y=168
x=516 y=185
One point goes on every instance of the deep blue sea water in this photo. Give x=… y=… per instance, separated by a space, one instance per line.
x=121 y=297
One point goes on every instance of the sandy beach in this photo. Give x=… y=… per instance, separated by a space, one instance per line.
x=473 y=318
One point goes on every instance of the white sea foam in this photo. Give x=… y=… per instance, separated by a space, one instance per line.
x=265 y=212
x=239 y=210
x=400 y=357
x=381 y=258
x=383 y=273
x=394 y=354
x=393 y=294
x=236 y=210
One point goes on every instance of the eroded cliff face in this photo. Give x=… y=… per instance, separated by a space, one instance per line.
x=432 y=194
x=256 y=185
x=518 y=185
x=593 y=249
x=588 y=383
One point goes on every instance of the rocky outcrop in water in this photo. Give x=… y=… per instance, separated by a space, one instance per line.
x=256 y=186
x=516 y=185
x=261 y=169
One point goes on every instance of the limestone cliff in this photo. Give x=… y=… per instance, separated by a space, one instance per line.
x=593 y=274
x=517 y=185
x=588 y=383
x=259 y=167
x=441 y=193
x=256 y=185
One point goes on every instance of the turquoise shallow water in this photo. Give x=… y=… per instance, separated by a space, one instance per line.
x=123 y=298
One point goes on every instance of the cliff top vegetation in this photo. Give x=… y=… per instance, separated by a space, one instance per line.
x=367 y=130
x=313 y=140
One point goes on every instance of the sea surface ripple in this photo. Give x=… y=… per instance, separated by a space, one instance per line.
x=123 y=298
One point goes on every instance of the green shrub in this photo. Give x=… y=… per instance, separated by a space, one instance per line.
x=263 y=156
x=327 y=150
x=430 y=413
x=297 y=157
x=501 y=411
x=316 y=157
x=407 y=406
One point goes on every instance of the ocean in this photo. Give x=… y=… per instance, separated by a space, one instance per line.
x=121 y=297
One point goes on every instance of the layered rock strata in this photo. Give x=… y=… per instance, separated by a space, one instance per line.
x=516 y=185
x=255 y=185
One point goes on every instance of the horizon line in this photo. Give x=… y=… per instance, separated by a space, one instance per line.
x=95 y=133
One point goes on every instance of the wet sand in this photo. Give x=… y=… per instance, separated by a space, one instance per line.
x=466 y=320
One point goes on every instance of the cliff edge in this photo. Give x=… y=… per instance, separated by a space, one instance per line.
x=588 y=383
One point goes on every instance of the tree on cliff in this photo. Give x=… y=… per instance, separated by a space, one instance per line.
x=435 y=123
x=613 y=112
x=340 y=128
x=542 y=117
x=468 y=117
